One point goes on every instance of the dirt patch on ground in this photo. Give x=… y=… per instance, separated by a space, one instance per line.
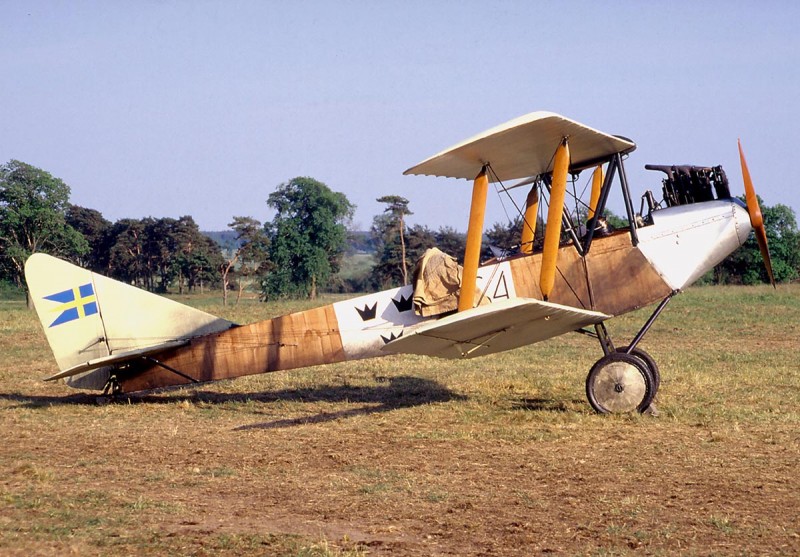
x=184 y=472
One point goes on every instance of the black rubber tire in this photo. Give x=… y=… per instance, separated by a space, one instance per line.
x=620 y=383
x=650 y=363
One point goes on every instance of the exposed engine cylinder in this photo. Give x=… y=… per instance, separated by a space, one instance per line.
x=692 y=184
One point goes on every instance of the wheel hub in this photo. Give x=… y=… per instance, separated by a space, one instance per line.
x=619 y=383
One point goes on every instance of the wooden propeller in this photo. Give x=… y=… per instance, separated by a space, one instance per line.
x=756 y=218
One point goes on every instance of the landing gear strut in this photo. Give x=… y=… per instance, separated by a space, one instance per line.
x=625 y=379
x=112 y=387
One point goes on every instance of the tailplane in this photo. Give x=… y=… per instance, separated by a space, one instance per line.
x=94 y=323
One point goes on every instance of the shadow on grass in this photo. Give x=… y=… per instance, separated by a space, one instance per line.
x=546 y=404
x=391 y=393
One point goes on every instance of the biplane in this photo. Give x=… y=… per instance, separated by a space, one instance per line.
x=111 y=336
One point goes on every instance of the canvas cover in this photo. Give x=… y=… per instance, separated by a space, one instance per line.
x=437 y=281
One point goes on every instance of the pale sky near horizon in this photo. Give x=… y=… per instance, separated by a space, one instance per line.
x=202 y=108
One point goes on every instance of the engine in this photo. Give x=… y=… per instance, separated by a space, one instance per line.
x=685 y=185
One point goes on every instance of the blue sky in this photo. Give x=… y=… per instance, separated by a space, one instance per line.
x=203 y=108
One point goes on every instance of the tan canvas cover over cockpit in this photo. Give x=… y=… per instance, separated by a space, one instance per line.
x=437 y=280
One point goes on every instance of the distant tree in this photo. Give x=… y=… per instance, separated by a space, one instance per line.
x=615 y=220
x=504 y=237
x=33 y=208
x=186 y=254
x=389 y=235
x=95 y=229
x=360 y=241
x=201 y=266
x=127 y=260
x=746 y=266
x=164 y=259
x=452 y=242
x=249 y=258
x=419 y=239
x=157 y=254
x=307 y=237
x=394 y=227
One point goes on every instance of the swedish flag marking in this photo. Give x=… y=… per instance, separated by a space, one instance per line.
x=75 y=303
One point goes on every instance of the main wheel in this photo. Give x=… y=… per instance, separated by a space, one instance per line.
x=650 y=363
x=619 y=383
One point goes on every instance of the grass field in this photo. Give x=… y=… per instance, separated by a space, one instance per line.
x=415 y=456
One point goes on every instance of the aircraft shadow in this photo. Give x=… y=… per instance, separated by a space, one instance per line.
x=546 y=404
x=391 y=393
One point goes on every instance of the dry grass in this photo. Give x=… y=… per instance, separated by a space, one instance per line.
x=414 y=456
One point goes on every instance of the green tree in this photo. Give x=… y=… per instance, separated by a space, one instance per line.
x=393 y=228
x=307 y=237
x=390 y=236
x=127 y=260
x=452 y=242
x=95 y=229
x=504 y=237
x=33 y=208
x=164 y=257
x=250 y=257
x=419 y=239
x=201 y=265
x=746 y=266
x=158 y=253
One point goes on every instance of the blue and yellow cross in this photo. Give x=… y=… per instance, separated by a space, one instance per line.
x=75 y=303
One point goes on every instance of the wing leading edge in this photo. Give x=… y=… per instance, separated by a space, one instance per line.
x=522 y=148
x=493 y=328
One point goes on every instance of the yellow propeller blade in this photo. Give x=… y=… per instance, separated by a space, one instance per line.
x=756 y=218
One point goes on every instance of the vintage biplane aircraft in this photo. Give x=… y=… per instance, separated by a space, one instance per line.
x=111 y=336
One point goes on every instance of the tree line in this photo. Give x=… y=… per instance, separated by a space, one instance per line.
x=298 y=253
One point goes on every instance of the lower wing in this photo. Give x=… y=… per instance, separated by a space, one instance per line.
x=493 y=328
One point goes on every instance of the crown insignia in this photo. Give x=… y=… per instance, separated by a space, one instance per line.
x=368 y=312
x=403 y=304
x=392 y=337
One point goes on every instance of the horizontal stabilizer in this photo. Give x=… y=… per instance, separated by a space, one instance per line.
x=116 y=359
x=496 y=327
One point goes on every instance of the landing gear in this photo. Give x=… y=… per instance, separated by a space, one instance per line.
x=648 y=361
x=112 y=386
x=626 y=379
x=619 y=383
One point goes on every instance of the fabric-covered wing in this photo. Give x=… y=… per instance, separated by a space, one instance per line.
x=493 y=328
x=522 y=148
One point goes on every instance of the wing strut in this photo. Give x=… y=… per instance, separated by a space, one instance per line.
x=472 y=253
x=552 y=234
x=169 y=368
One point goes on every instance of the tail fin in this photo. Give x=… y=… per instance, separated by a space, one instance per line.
x=91 y=318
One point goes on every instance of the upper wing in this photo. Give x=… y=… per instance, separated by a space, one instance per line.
x=493 y=328
x=523 y=147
